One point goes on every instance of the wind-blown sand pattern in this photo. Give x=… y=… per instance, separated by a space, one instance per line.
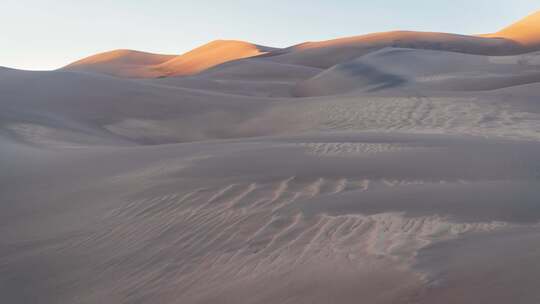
x=397 y=167
x=344 y=148
x=418 y=115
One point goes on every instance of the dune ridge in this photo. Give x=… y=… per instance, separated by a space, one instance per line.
x=210 y=55
x=519 y=38
x=135 y=64
x=526 y=32
x=121 y=63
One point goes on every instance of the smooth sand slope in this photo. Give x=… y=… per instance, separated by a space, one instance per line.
x=328 y=53
x=393 y=68
x=390 y=168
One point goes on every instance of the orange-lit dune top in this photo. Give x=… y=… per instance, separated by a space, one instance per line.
x=525 y=32
x=376 y=38
x=523 y=36
x=121 y=63
x=135 y=64
x=210 y=55
x=123 y=57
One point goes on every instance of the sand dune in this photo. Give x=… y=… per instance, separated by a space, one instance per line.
x=428 y=69
x=249 y=77
x=526 y=32
x=345 y=77
x=389 y=168
x=121 y=63
x=134 y=64
x=211 y=54
x=521 y=37
x=328 y=53
x=256 y=69
x=518 y=38
x=110 y=107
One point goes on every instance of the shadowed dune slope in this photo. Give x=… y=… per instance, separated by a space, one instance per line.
x=521 y=37
x=250 y=77
x=328 y=53
x=425 y=69
x=44 y=105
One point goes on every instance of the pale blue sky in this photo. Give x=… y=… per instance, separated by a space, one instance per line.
x=47 y=34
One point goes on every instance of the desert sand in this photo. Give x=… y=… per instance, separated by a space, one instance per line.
x=397 y=167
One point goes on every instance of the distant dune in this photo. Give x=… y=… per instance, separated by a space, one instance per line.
x=328 y=53
x=518 y=38
x=134 y=64
x=210 y=55
x=394 y=68
x=526 y=32
x=121 y=63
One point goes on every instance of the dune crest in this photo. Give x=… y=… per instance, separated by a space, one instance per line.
x=121 y=63
x=135 y=64
x=210 y=55
x=325 y=54
x=518 y=38
x=525 y=32
x=124 y=56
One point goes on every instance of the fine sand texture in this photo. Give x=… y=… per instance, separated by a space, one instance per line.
x=390 y=168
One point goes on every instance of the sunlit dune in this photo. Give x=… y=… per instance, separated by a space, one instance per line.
x=125 y=57
x=209 y=55
x=382 y=37
x=134 y=64
x=123 y=63
x=526 y=31
x=518 y=38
